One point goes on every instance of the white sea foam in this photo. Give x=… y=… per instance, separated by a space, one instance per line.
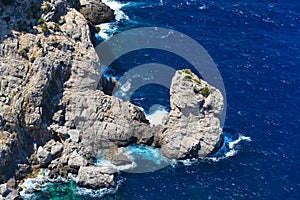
x=144 y=159
x=229 y=147
x=117 y=6
x=104 y=162
x=124 y=90
x=34 y=184
x=126 y=87
x=188 y=162
x=203 y=7
x=99 y=192
x=41 y=181
x=235 y=142
x=108 y=29
x=156 y=114
x=147 y=159
x=146 y=153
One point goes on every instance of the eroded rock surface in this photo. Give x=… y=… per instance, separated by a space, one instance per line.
x=95 y=177
x=52 y=114
x=96 y=11
x=193 y=126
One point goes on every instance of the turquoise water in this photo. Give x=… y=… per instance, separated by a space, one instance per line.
x=147 y=160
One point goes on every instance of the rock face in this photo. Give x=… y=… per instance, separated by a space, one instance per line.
x=47 y=60
x=193 y=127
x=44 y=157
x=95 y=177
x=96 y=11
x=52 y=113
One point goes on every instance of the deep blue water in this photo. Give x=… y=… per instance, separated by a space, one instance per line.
x=255 y=45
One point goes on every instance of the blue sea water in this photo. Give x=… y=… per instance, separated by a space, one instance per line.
x=255 y=45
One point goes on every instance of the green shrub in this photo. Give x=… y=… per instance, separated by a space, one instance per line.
x=188 y=71
x=41 y=20
x=32 y=59
x=56 y=27
x=39 y=44
x=188 y=78
x=46 y=7
x=45 y=28
x=23 y=53
x=205 y=92
x=59 y=47
x=197 y=80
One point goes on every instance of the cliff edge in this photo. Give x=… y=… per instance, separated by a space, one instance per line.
x=54 y=115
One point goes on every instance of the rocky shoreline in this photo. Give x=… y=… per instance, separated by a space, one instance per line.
x=54 y=109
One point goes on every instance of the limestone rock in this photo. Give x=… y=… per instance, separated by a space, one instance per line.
x=50 y=96
x=96 y=11
x=56 y=149
x=8 y=193
x=23 y=170
x=94 y=177
x=44 y=157
x=192 y=128
x=121 y=159
x=76 y=160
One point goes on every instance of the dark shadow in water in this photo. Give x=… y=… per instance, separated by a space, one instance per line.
x=151 y=94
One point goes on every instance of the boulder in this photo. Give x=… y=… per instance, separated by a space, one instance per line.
x=44 y=157
x=76 y=161
x=75 y=136
x=95 y=177
x=56 y=149
x=121 y=159
x=96 y=11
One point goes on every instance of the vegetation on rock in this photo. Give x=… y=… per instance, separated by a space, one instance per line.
x=45 y=28
x=205 y=92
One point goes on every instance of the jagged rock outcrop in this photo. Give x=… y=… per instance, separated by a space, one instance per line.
x=192 y=128
x=52 y=113
x=47 y=58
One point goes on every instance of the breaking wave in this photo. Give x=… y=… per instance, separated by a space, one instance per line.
x=108 y=29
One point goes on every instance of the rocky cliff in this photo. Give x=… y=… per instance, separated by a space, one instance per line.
x=52 y=111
